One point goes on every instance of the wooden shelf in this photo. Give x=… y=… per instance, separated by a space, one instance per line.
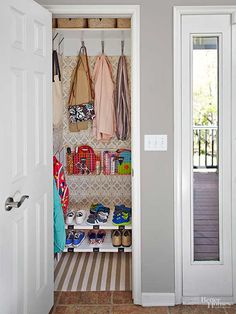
x=91 y=29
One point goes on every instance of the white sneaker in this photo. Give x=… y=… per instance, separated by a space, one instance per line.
x=79 y=217
x=70 y=217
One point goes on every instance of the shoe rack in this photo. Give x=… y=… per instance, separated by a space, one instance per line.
x=105 y=247
x=107 y=244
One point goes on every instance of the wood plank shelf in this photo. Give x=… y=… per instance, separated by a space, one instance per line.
x=90 y=29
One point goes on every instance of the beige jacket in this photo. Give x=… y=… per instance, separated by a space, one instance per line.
x=104 y=122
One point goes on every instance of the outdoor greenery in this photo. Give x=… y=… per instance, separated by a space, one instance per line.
x=205 y=83
x=205 y=105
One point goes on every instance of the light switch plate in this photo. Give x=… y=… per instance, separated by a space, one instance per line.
x=155 y=142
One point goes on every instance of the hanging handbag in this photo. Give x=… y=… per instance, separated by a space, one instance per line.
x=123 y=161
x=81 y=93
x=81 y=113
x=84 y=160
x=57 y=96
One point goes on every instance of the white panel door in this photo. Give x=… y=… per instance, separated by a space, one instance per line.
x=26 y=232
x=209 y=276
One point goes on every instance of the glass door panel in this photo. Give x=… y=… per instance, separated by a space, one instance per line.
x=205 y=115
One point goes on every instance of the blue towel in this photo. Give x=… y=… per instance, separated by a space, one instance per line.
x=59 y=223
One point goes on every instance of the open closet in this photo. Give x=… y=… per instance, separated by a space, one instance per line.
x=92 y=142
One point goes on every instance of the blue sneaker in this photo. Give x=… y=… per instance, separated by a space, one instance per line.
x=121 y=220
x=95 y=208
x=122 y=209
x=70 y=238
x=78 y=238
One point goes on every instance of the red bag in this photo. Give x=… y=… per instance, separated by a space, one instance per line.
x=59 y=176
x=84 y=160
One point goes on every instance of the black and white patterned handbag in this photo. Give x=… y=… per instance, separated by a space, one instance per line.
x=79 y=113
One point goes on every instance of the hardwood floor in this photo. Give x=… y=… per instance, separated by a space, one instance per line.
x=206 y=216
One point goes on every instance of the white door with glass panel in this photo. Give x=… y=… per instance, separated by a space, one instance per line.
x=26 y=216
x=206 y=156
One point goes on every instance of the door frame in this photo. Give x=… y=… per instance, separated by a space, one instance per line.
x=132 y=11
x=178 y=12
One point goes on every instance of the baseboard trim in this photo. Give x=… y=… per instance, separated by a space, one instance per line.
x=210 y=301
x=158 y=299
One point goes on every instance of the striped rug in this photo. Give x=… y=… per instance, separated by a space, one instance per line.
x=93 y=272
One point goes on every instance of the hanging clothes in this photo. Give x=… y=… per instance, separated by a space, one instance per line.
x=59 y=223
x=81 y=91
x=59 y=176
x=122 y=101
x=57 y=97
x=60 y=50
x=104 y=122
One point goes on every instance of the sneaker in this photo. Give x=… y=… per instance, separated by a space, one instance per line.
x=101 y=217
x=126 y=238
x=70 y=238
x=79 y=217
x=121 y=209
x=92 y=237
x=95 y=207
x=105 y=210
x=92 y=219
x=121 y=220
x=116 y=238
x=100 y=237
x=70 y=217
x=78 y=238
x=97 y=219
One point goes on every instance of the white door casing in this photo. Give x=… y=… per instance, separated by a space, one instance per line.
x=26 y=233
x=132 y=11
x=207 y=278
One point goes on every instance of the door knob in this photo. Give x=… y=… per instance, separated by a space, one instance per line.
x=10 y=203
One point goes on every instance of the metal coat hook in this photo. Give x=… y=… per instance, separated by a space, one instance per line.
x=102 y=43
x=55 y=36
x=122 y=46
x=59 y=45
x=60 y=42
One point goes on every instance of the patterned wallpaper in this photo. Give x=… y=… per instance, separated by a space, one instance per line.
x=84 y=190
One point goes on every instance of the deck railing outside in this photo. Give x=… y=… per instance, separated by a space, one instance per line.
x=205 y=147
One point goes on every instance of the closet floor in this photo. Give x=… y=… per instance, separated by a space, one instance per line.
x=93 y=272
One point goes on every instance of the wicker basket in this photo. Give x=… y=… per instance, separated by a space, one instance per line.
x=123 y=23
x=54 y=23
x=102 y=23
x=72 y=23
